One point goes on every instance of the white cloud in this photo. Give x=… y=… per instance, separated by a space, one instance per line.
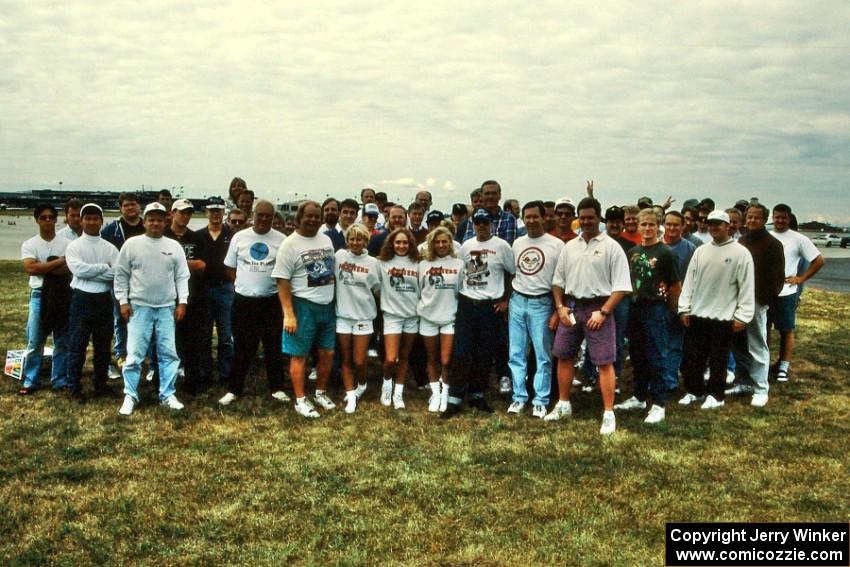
x=698 y=98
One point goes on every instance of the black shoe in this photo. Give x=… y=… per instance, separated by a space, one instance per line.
x=451 y=411
x=481 y=405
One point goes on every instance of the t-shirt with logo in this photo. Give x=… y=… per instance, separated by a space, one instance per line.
x=40 y=250
x=308 y=263
x=485 y=266
x=439 y=283
x=194 y=248
x=399 y=287
x=536 y=259
x=253 y=256
x=654 y=269
x=357 y=279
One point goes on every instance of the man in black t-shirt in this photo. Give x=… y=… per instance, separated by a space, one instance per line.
x=656 y=283
x=187 y=332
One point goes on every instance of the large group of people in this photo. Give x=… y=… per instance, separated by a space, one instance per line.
x=522 y=291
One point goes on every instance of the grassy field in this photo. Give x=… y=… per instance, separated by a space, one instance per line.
x=256 y=484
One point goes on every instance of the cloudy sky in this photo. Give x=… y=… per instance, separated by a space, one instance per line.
x=694 y=99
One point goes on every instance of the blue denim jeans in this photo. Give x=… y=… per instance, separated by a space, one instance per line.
x=647 y=344
x=673 y=354
x=528 y=318
x=148 y=323
x=119 y=331
x=36 y=337
x=90 y=316
x=219 y=300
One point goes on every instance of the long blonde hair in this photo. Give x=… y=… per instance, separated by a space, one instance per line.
x=429 y=243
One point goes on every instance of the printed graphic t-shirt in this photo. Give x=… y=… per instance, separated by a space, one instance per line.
x=253 y=256
x=308 y=263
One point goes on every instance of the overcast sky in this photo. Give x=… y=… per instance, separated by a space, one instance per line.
x=695 y=99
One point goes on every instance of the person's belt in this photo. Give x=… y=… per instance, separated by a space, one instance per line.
x=479 y=301
x=529 y=296
x=587 y=300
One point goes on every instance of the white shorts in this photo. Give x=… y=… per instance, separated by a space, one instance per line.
x=395 y=325
x=429 y=329
x=347 y=326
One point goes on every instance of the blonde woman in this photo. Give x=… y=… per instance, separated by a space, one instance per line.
x=440 y=274
x=399 y=297
x=357 y=281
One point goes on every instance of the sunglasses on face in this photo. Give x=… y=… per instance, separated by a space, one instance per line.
x=236 y=221
x=703 y=219
x=47 y=218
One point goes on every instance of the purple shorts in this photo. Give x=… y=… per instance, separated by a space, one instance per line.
x=601 y=343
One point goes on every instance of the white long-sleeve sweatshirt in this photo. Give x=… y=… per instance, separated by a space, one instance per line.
x=720 y=283
x=91 y=260
x=152 y=272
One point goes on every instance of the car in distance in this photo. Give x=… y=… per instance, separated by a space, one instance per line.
x=828 y=240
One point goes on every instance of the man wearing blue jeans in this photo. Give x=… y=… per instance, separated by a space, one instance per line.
x=151 y=277
x=117 y=232
x=43 y=256
x=683 y=249
x=656 y=283
x=531 y=314
x=218 y=293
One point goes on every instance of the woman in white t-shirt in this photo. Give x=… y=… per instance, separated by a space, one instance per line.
x=440 y=274
x=399 y=296
x=357 y=281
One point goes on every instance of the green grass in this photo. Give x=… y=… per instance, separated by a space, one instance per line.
x=255 y=484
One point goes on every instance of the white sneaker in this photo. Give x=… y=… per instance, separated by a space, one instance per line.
x=305 y=409
x=387 y=392
x=150 y=375
x=280 y=396
x=505 y=385
x=172 y=403
x=128 y=406
x=630 y=404
x=372 y=353
x=360 y=390
x=561 y=409
x=314 y=375
x=324 y=401
x=398 y=401
x=538 y=411
x=516 y=407
x=434 y=403
x=444 y=397
x=587 y=388
x=114 y=372
x=576 y=382
x=711 y=403
x=227 y=399
x=688 y=399
x=350 y=403
x=759 y=400
x=730 y=376
x=656 y=414
x=739 y=390
x=609 y=423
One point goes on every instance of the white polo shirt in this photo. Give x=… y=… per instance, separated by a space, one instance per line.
x=592 y=268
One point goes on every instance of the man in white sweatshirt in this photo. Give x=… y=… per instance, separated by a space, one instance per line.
x=151 y=277
x=91 y=260
x=717 y=300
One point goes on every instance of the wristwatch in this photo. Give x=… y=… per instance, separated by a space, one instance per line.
x=604 y=311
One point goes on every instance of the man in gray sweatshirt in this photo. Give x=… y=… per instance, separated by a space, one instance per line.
x=717 y=300
x=152 y=288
